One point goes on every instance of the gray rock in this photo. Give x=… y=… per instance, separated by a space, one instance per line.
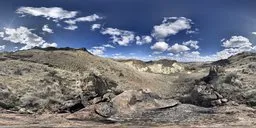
x=96 y=86
x=224 y=100
x=105 y=109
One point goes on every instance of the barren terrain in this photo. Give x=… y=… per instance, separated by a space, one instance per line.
x=72 y=88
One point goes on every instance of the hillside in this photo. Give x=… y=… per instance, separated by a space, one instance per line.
x=85 y=87
x=162 y=66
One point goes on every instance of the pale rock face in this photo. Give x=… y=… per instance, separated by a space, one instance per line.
x=157 y=68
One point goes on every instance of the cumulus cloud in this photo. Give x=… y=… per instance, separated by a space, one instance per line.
x=24 y=36
x=236 y=42
x=254 y=33
x=171 y=26
x=195 y=53
x=2 y=47
x=143 y=40
x=95 y=26
x=45 y=45
x=47 y=29
x=177 y=48
x=99 y=50
x=121 y=37
x=232 y=46
x=71 y=27
x=192 y=44
x=90 y=18
x=160 y=46
x=235 y=45
x=1 y=34
x=55 y=13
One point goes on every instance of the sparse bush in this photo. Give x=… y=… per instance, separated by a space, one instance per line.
x=17 y=72
x=229 y=78
x=52 y=73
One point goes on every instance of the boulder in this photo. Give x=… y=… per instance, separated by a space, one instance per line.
x=132 y=101
x=105 y=109
x=96 y=86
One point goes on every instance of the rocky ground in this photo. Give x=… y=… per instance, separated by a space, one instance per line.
x=72 y=88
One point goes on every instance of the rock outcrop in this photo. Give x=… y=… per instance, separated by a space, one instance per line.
x=159 y=67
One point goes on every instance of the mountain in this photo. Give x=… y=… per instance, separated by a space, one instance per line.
x=66 y=84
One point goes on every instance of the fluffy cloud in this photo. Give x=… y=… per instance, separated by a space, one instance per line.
x=177 y=48
x=55 y=13
x=108 y=46
x=1 y=34
x=233 y=46
x=95 y=26
x=192 y=44
x=45 y=45
x=71 y=27
x=2 y=47
x=143 y=40
x=171 y=26
x=90 y=18
x=160 y=46
x=236 y=42
x=195 y=53
x=121 y=37
x=99 y=50
x=47 y=29
x=254 y=33
x=24 y=36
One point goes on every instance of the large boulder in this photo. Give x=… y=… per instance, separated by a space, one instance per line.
x=132 y=101
x=96 y=86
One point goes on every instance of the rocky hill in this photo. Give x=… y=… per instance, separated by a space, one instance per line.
x=162 y=66
x=76 y=85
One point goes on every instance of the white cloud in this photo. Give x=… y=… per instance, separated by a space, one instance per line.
x=192 y=44
x=254 y=33
x=1 y=34
x=231 y=47
x=24 y=36
x=160 y=46
x=71 y=27
x=99 y=50
x=157 y=53
x=108 y=46
x=121 y=37
x=234 y=48
x=236 y=42
x=177 y=48
x=55 y=13
x=90 y=18
x=45 y=45
x=192 y=31
x=171 y=26
x=47 y=29
x=143 y=40
x=2 y=47
x=195 y=53
x=95 y=26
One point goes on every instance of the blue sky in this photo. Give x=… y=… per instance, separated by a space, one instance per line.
x=183 y=30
